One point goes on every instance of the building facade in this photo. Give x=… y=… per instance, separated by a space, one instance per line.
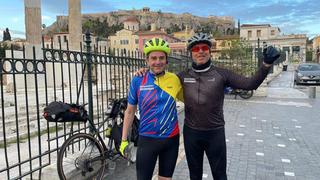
x=222 y=43
x=174 y=43
x=316 y=48
x=184 y=35
x=62 y=40
x=126 y=39
x=258 y=34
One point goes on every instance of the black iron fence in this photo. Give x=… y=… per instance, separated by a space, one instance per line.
x=33 y=77
x=36 y=76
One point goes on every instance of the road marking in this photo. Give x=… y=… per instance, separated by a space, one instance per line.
x=275 y=127
x=281 y=145
x=286 y=160
x=259 y=140
x=227 y=140
x=242 y=126
x=258 y=130
x=254 y=118
x=292 y=139
x=289 y=173
x=294 y=120
x=259 y=154
x=240 y=134
x=205 y=175
x=298 y=127
x=277 y=134
x=263 y=120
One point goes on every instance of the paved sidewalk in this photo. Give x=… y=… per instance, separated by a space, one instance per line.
x=270 y=138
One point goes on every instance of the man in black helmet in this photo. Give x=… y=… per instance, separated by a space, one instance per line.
x=203 y=89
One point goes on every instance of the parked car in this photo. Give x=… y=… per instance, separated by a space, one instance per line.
x=307 y=73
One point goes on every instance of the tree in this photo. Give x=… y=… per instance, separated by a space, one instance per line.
x=101 y=28
x=6 y=35
x=240 y=53
x=3 y=48
x=173 y=28
x=238 y=49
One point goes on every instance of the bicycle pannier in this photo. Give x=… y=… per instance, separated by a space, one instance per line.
x=64 y=112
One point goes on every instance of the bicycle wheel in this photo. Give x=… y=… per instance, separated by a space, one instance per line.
x=81 y=157
x=245 y=94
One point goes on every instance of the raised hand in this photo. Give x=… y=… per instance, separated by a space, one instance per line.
x=270 y=54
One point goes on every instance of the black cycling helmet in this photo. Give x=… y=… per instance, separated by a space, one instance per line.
x=199 y=38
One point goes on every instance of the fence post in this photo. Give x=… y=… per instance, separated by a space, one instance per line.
x=89 y=63
x=312 y=92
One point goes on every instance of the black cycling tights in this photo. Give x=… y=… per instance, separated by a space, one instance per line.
x=211 y=142
x=149 y=149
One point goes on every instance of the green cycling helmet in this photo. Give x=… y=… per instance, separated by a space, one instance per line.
x=156 y=44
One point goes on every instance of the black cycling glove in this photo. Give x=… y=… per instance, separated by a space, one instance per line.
x=270 y=54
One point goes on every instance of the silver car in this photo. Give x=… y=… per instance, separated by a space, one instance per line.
x=307 y=73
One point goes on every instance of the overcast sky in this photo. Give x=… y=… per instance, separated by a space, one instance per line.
x=292 y=16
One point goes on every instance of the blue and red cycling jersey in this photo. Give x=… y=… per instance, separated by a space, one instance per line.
x=156 y=98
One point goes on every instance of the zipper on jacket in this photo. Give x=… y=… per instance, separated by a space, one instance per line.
x=198 y=79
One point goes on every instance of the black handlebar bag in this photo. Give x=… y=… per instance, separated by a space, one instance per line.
x=58 y=111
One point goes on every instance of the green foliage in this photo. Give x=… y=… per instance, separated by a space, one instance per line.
x=239 y=49
x=173 y=28
x=3 y=48
x=101 y=28
x=6 y=35
x=207 y=28
x=309 y=55
x=238 y=57
x=216 y=33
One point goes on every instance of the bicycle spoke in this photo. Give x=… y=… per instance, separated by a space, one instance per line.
x=84 y=159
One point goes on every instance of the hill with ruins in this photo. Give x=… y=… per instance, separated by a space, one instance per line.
x=169 y=21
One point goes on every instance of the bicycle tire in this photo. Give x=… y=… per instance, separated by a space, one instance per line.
x=82 y=166
x=245 y=94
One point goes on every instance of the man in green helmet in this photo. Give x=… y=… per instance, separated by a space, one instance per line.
x=155 y=93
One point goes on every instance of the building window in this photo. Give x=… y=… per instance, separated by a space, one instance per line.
x=295 y=48
x=65 y=38
x=286 y=48
x=137 y=41
x=59 y=39
x=273 y=32
x=115 y=42
x=249 y=34
x=258 y=33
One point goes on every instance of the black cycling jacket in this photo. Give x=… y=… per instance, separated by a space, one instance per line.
x=204 y=94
